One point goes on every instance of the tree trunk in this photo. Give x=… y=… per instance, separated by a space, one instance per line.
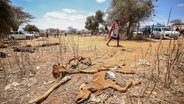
x=4 y=30
x=15 y=27
x=129 y=36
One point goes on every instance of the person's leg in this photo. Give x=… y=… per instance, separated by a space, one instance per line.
x=118 y=40
x=109 y=41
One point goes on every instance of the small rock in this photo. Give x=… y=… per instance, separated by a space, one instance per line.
x=83 y=84
x=111 y=74
x=37 y=67
x=115 y=67
x=32 y=81
x=143 y=62
x=14 y=84
x=120 y=100
x=95 y=99
x=45 y=83
x=7 y=87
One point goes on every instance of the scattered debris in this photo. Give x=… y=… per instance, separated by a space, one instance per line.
x=123 y=49
x=144 y=62
x=45 y=83
x=32 y=81
x=37 y=67
x=95 y=99
x=111 y=75
x=9 y=86
x=3 y=55
x=115 y=67
x=29 y=45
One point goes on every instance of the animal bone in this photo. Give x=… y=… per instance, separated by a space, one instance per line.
x=97 y=85
x=46 y=94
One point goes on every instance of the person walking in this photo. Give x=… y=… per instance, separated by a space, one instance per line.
x=47 y=33
x=114 y=33
x=177 y=29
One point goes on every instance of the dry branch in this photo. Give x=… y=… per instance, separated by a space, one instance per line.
x=125 y=71
x=45 y=95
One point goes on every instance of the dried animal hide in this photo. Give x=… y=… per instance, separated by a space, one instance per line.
x=3 y=45
x=86 y=61
x=60 y=71
x=97 y=85
x=48 y=44
x=24 y=49
x=74 y=62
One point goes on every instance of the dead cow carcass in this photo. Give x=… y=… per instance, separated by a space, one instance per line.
x=24 y=49
x=74 y=62
x=97 y=85
x=59 y=71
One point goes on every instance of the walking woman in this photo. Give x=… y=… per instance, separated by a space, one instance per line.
x=114 y=33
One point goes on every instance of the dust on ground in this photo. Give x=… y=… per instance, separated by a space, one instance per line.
x=25 y=76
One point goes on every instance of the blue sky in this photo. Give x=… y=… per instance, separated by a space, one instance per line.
x=162 y=9
x=64 y=13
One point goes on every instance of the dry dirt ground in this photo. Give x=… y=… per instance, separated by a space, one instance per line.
x=25 y=76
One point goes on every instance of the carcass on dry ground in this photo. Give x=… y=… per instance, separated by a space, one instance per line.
x=30 y=74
